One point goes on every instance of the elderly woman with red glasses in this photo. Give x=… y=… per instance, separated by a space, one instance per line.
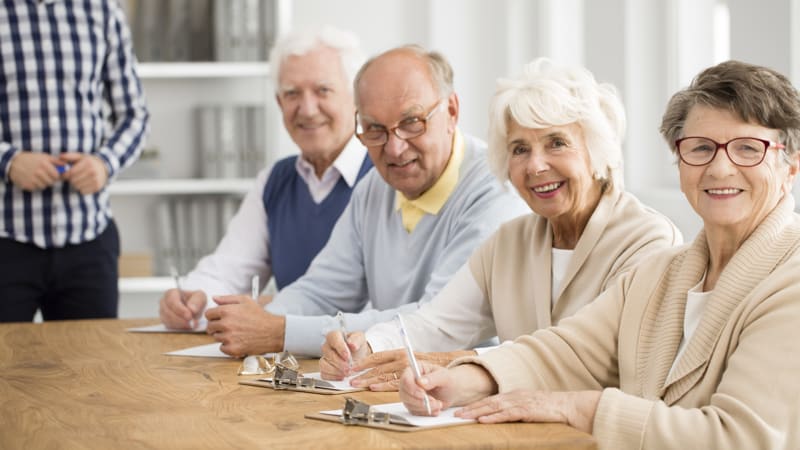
x=698 y=346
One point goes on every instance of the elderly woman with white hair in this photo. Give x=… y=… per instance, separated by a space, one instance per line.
x=556 y=134
x=697 y=346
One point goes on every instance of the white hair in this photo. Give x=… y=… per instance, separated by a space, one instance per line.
x=547 y=95
x=300 y=42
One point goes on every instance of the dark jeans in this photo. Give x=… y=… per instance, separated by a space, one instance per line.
x=73 y=282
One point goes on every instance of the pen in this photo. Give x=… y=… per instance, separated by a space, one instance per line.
x=414 y=365
x=174 y=271
x=254 y=288
x=343 y=329
x=63 y=168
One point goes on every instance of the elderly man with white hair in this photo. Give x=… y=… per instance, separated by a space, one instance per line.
x=288 y=215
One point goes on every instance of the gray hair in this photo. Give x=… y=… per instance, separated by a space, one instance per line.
x=297 y=43
x=440 y=70
x=547 y=95
x=754 y=93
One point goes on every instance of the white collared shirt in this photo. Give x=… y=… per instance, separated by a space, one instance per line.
x=244 y=250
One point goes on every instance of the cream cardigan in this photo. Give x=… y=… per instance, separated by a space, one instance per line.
x=509 y=293
x=739 y=378
x=513 y=268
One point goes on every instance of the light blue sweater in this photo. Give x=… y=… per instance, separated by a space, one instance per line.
x=370 y=259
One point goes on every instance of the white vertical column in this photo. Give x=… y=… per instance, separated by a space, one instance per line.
x=560 y=30
x=690 y=40
x=648 y=163
x=472 y=35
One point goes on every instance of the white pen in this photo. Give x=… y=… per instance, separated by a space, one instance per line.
x=175 y=276
x=343 y=329
x=414 y=365
x=254 y=288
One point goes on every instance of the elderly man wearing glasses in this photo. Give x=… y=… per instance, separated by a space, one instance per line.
x=409 y=226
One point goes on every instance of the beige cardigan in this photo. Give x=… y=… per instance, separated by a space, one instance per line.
x=736 y=384
x=513 y=267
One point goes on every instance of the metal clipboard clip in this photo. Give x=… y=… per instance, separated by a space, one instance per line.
x=288 y=378
x=356 y=412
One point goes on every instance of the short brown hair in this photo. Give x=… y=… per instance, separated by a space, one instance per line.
x=756 y=94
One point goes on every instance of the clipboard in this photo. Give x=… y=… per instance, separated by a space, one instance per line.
x=388 y=416
x=286 y=379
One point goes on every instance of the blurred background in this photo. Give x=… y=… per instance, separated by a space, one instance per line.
x=214 y=120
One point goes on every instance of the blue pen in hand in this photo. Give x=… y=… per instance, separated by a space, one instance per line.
x=413 y=360
x=343 y=330
x=62 y=169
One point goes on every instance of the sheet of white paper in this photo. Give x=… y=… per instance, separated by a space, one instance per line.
x=445 y=417
x=160 y=328
x=206 y=351
x=343 y=385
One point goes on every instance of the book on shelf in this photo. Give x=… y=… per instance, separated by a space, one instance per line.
x=201 y=30
x=230 y=140
x=189 y=228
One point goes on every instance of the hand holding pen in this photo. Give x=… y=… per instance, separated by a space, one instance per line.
x=413 y=361
x=184 y=300
x=343 y=330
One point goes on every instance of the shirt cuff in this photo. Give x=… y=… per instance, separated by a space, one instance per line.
x=7 y=153
x=304 y=335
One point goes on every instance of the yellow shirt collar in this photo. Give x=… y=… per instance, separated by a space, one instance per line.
x=432 y=200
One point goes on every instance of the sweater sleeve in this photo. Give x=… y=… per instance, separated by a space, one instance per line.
x=743 y=412
x=458 y=317
x=580 y=353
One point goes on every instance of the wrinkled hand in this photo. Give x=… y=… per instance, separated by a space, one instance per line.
x=33 y=171
x=334 y=364
x=176 y=314
x=387 y=366
x=444 y=387
x=243 y=327
x=572 y=408
x=264 y=300
x=88 y=173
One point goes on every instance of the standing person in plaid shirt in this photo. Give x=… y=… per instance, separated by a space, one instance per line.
x=72 y=116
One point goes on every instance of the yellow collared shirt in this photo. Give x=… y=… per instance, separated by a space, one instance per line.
x=432 y=200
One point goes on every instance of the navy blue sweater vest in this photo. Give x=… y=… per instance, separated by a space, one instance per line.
x=298 y=227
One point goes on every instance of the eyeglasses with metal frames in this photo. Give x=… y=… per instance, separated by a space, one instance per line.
x=741 y=151
x=407 y=128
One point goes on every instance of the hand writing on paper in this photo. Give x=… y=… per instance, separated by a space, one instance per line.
x=87 y=174
x=243 y=327
x=444 y=387
x=33 y=171
x=384 y=366
x=335 y=364
x=176 y=314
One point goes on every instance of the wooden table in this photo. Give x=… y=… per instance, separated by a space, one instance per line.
x=91 y=384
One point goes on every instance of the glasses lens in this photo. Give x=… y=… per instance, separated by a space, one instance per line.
x=373 y=137
x=410 y=129
x=697 y=151
x=746 y=152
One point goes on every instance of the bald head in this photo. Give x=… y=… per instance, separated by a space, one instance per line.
x=398 y=61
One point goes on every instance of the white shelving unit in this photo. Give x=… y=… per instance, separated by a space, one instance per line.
x=186 y=186
x=203 y=70
x=173 y=90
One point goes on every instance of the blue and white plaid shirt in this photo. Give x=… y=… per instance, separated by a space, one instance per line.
x=67 y=84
